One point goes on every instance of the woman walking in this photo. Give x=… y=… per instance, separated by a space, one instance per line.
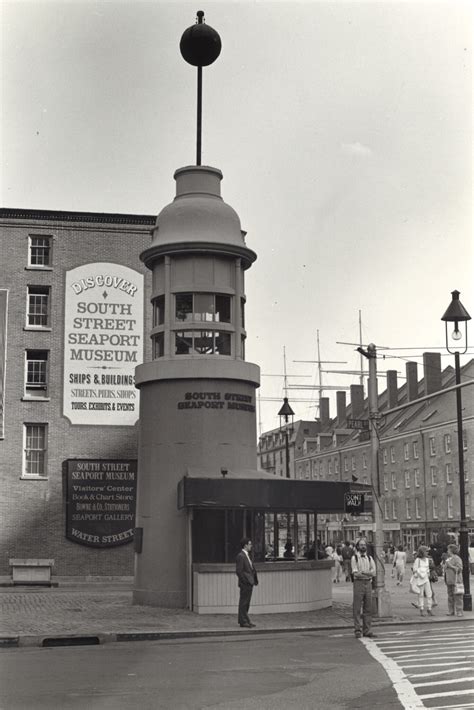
x=452 y=575
x=421 y=572
x=399 y=562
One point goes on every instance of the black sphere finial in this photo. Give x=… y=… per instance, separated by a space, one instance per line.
x=200 y=44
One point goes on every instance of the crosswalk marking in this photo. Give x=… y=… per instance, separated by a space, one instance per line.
x=425 y=666
x=436 y=673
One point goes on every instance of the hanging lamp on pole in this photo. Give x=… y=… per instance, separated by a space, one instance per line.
x=285 y=413
x=456 y=313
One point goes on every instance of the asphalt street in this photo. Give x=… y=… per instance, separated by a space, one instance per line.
x=326 y=670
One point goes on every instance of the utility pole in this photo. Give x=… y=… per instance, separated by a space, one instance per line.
x=383 y=602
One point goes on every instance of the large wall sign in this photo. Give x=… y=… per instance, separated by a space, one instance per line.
x=100 y=501
x=103 y=343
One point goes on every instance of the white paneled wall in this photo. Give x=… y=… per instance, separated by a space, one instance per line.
x=216 y=592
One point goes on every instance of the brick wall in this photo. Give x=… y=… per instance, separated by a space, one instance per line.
x=33 y=511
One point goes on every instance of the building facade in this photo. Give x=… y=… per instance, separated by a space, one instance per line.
x=418 y=456
x=74 y=310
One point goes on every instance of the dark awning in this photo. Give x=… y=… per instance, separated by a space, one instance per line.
x=268 y=494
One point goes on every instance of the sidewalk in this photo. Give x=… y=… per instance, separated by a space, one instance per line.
x=97 y=613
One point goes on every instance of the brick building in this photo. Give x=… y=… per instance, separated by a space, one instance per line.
x=418 y=456
x=74 y=308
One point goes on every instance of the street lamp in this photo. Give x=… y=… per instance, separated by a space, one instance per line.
x=286 y=412
x=456 y=313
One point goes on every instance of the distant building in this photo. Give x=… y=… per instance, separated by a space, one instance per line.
x=418 y=456
x=74 y=308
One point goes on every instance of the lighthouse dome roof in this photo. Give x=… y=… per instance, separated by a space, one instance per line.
x=198 y=213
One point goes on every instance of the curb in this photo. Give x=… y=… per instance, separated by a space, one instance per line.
x=100 y=638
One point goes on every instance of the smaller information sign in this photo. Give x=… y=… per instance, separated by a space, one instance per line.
x=100 y=504
x=354 y=503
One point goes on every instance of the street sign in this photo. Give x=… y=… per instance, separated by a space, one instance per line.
x=357 y=423
x=354 y=503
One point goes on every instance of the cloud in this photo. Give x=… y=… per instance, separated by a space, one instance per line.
x=357 y=149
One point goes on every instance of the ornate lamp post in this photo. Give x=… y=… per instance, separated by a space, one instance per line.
x=284 y=413
x=456 y=313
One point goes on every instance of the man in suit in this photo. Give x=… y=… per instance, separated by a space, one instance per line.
x=247 y=576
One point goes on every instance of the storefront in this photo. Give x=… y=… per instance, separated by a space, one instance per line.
x=280 y=516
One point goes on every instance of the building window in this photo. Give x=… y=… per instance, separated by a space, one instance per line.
x=158 y=342
x=406 y=451
x=384 y=454
x=408 y=509
x=385 y=509
x=464 y=440
x=346 y=464
x=415 y=450
x=336 y=465
x=434 y=503
x=38 y=306
x=447 y=443
x=40 y=251
x=158 y=311
x=353 y=463
x=432 y=446
x=35 y=450
x=199 y=342
x=204 y=307
x=392 y=454
x=364 y=460
x=330 y=467
x=416 y=474
x=385 y=482
x=407 y=479
x=394 y=509
x=417 y=508
x=394 y=481
x=449 y=473
x=449 y=499
x=434 y=475
x=36 y=375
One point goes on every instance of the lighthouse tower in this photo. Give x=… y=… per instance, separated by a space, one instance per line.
x=197 y=395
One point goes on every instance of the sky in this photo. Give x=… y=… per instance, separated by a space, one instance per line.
x=344 y=133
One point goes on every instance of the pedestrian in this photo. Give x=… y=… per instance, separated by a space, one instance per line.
x=363 y=572
x=471 y=557
x=346 y=554
x=421 y=573
x=337 y=557
x=399 y=562
x=248 y=579
x=452 y=576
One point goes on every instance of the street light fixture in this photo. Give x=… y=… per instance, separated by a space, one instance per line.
x=285 y=413
x=456 y=313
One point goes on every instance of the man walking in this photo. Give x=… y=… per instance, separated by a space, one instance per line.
x=363 y=570
x=347 y=553
x=247 y=577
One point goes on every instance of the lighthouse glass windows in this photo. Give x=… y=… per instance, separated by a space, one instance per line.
x=202 y=342
x=203 y=307
x=195 y=309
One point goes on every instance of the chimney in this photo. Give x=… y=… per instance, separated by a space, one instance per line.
x=412 y=381
x=432 y=372
x=341 y=409
x=324 y=410
x=357 y=401
x=392 y=389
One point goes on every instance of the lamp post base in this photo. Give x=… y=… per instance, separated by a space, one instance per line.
x=467 y=602
x=382 y=603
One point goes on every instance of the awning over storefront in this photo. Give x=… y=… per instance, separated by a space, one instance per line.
x=268 y=494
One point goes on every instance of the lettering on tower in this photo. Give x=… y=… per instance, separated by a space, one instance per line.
x=217 y=400
x=100 y=501
x=103 y=343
